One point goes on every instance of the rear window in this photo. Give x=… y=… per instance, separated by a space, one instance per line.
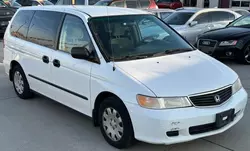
x=132 y=4
x=178 y=18
x=144 y=3
x=20 y=24
x=44 y=27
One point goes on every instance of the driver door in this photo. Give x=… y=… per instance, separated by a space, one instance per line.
x=201 y=27
x=71 y=77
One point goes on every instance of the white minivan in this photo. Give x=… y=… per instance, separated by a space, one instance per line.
x=133 y=74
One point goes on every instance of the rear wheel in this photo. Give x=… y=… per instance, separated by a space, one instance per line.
x=20 y=83
x=115 y=123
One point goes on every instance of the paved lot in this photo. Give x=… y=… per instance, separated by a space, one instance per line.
x=41 y=124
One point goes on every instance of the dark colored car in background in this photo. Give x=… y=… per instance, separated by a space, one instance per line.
x=128 y=3
x=232 y=41
x=171 y=4
x=6 y=13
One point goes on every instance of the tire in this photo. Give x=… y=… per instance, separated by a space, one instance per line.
x=20 y=83
x=124 y=134
x=244 y=56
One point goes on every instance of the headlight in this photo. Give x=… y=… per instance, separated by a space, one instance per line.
x=162 y=103
x=236 y=86
x=228 y=43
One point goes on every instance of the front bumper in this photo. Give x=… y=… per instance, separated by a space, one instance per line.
x=219 y=51
x=152 y=125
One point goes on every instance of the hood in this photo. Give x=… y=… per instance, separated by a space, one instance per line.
x=180 y=74
x=227 y=33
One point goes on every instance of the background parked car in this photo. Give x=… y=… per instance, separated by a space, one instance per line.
x=33 y=2
x=161 y=13
x=241 y=11
x=40 y=2
x=6 y=13
x=128 y=3
x=172 y=4
x=192 y=22
x=76 y=2
x=232 y=41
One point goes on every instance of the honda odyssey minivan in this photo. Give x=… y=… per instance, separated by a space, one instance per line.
x=126 y=69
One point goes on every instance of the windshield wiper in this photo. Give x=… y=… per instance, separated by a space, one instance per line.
x=130 y=57
x=174 y=51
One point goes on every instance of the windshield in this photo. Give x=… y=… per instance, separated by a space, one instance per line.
x=102 y=3
x=135 y=36
x=241 y=22
x=178 y=18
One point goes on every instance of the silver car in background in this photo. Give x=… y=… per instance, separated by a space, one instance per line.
x=190 y=23
x=161 y=13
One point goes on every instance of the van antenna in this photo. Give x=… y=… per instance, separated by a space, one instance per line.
x=109 y=30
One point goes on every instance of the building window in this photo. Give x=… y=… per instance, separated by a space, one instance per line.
x=235 y=3
x=245 y=3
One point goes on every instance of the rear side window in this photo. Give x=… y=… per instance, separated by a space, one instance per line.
x=221 y=16
x=20 y=24
x=118 y=4
x=43 y=28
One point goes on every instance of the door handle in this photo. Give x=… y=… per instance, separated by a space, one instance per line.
x=56 y=63
x=45 y=59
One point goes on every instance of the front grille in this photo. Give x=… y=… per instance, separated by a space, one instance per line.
x=207 y=46
x=207 y=43
x=213 y=98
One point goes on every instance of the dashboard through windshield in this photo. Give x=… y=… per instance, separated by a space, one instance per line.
x=136 y=37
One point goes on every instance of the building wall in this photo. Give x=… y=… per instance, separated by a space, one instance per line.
x=214 y=3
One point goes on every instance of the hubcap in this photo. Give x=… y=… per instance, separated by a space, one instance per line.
x=18 y=82
x=112 y=124
x=247 y=54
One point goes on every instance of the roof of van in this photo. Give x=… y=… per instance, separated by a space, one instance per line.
x=93 y=11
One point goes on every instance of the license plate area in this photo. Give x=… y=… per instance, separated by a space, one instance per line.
x=224 y=118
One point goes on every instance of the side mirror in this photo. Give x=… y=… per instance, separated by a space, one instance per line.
x=80 y=53
x=193 y=23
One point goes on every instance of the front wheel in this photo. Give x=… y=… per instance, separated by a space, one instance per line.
x=244 y=56
x=20 y=83
x=115 y=123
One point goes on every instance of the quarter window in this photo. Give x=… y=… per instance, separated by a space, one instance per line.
x=43 y=28
x=20 y=24
x=221 y=16
x=74 y=34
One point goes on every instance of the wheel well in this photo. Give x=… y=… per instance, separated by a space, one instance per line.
x=12 y=65
x=98 y=101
